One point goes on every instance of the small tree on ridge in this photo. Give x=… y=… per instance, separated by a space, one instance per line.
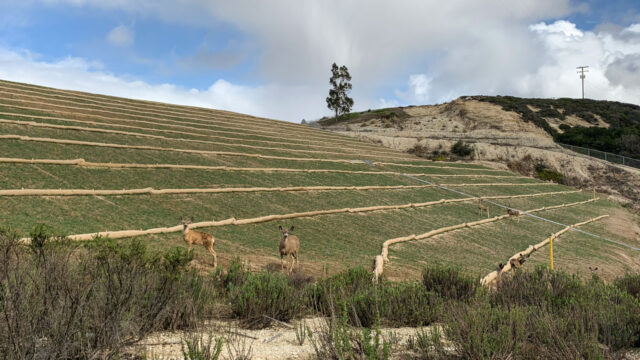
x=338 y=99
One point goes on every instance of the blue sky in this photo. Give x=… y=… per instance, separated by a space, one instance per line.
x=273 y=58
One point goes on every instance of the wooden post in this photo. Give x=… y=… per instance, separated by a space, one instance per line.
x=551 y=252
x=594 y=194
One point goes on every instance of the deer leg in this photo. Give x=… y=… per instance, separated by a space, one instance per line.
x=281 y=263
x=213 y=253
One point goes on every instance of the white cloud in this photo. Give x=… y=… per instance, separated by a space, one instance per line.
x=439 y=50
x=82 y=75
x=562 y=27
x=418 y=91
x=121 y=36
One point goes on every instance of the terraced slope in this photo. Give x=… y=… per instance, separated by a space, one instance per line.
x=88 y=163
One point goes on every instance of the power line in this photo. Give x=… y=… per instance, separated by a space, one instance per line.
x=581 y=71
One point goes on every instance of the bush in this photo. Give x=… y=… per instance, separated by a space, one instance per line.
x=449 y=283
x=419 y=150
x=480 y=331
x=265 y=294
x=364 y=303
x=629 y=283
x=546 y=174
x=594 y=305
x=195 y=347
x=336 y=340
x=236 y=274
x=63 y=301
x=461 y=149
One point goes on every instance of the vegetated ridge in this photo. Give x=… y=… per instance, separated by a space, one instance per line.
x=522 y=134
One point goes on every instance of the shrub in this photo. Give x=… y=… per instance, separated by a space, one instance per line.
x=546 y=174
x=419 y=150
x=62 y=301
x=364 y=303
x=480 y=331
x=336 y=340
x=236 y=275
x=449 y=283
x=594 y=305
x=265 y=294
x=629 y=283
x=195 y=347
x=483 y=332
x=461 y=149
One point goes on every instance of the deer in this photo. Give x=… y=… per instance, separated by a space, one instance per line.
x=519 y=261
x=514 y=213
x=199 y=238
x=377 y=268
x=483 y=208
x=289 y=246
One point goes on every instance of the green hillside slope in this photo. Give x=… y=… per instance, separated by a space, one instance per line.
x=133 y=145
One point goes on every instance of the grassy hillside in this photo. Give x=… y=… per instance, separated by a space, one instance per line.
x=176 y=147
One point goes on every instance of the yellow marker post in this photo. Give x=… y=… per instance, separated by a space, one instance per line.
x=551 y=252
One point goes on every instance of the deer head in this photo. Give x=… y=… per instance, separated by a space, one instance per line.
x=185 y=223
x=285 y=232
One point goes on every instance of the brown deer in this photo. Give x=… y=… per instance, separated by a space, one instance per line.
x=199 y=238
x=514 y=213
x=377 y=268
x=483 y=208
x=289 y=246
x=519 y=261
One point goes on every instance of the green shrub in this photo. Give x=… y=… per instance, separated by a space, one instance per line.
x=409 y=304
x=592 y=305
x=337 y=340
x=195 y=347
x=546 y=174
x=483 y=332
x=480 y=331
x=449 y=283
x=69 y=302
x=364 y=303
x=629 y=283
x=236 y=275
x=461 y=149
x=265 y=294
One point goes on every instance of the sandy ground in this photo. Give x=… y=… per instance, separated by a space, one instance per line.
x=276 y=342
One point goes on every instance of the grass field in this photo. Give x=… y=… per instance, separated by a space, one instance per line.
x=114 y=130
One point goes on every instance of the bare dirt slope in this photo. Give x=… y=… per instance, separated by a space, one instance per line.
x=500 y=139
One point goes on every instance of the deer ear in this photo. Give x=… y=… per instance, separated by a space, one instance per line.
x=291 y=229
x=280 y=227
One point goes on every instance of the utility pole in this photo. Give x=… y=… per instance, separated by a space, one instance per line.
x=581 y=71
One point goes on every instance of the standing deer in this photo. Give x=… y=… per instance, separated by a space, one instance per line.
x=289 y=246
x=514 y=213
x=483 y=208
x=199 y=238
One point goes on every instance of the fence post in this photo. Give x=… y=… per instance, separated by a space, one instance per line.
x=551 y=252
